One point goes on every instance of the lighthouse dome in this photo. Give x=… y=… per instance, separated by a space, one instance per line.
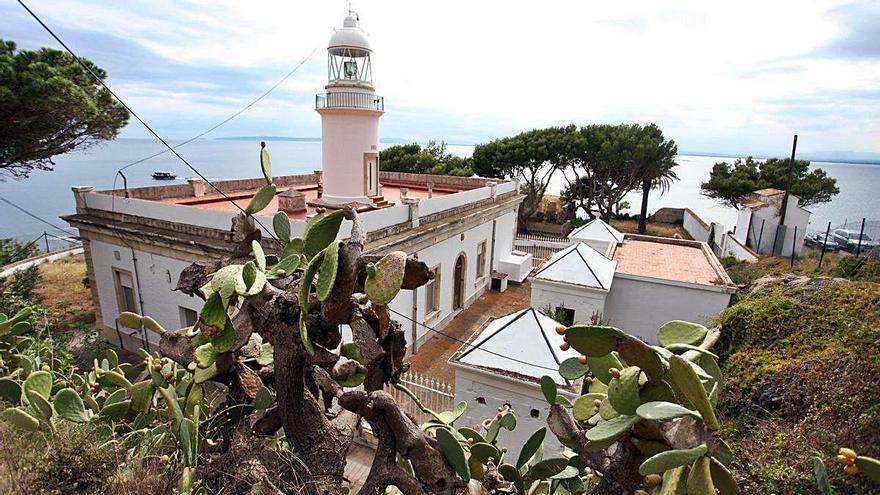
x=350 y=38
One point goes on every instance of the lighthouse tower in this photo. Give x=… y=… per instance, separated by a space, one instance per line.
x=350 y=112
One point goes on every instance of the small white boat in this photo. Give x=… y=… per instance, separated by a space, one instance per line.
x=164 y=175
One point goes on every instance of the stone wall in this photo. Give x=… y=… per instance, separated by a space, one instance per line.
x=668 y=215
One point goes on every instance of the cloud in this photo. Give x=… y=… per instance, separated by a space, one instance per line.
x=860 y=25
x=734 y=76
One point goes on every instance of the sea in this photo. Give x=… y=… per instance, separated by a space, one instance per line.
x=48 y=195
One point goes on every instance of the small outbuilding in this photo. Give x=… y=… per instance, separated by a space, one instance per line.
x=758 y=224
x=503 y=363
x=573 y=284
x=597 y=234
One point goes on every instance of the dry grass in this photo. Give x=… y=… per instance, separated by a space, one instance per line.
x=60 y=286
x=653 y=228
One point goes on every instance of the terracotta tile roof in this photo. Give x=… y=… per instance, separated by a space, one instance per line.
x=669 y=261
x=770 y=191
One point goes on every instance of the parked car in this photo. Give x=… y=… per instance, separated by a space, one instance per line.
x=816 y=239
x=849 y=240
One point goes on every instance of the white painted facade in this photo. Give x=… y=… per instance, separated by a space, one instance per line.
x=485 y=392
x=757 y=225
x=584 y=301
x=153 y=277
x=641 y=305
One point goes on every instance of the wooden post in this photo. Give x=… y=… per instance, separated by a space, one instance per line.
x=861 y=233
x=824 y=245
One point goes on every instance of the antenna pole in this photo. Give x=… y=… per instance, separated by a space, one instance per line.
x=788 y=182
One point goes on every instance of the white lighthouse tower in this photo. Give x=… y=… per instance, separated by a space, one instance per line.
x=350 y=112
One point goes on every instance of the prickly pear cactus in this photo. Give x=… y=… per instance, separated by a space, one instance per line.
x=659 y=398
x=385 y=278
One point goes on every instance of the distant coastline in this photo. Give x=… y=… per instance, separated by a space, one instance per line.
x=849 y=157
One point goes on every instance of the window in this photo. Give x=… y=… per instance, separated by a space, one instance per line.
x=188 y=317
x=432 y=293
x=565 y=315
x=125 y=297
x=481 y=259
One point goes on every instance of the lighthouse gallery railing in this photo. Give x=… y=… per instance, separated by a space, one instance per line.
x=349 y=100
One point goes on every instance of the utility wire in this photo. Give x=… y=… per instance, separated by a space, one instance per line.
x=35 y=217
x=236 y=114
x=471 y=345
x=138 y=117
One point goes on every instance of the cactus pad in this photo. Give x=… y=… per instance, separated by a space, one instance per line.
x=327 y=272
x=454 y=453
x=681 y=332
x=70 y=406
x=265 y=163
x=21 y=419
x=612 y=429
x=688 y=383
x=699 y=480
x=572 y=369
x=663 y=411
x=384 y=283
x=261 y=199
x=623 y=392
x=281 y=226
x=39 y=382
x=131 y=320
x=600 y=366
x=637 y=353
x=321 y=230
x=593 y=341
x=671 y=459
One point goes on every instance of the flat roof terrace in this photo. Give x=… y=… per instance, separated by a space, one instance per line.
x=216 y=201
x=670 y=259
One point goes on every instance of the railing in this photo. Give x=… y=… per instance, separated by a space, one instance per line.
x=347 y=99
x=540 y=247
x=433 y=394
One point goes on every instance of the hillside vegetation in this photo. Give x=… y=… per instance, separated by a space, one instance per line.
x=803 y=357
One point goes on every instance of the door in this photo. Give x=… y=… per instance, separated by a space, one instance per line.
x=371 y=174
x=458 y=283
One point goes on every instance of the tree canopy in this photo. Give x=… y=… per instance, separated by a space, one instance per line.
x=432 y=159
x=532 y=156
x=731 y=184
x=49 y=105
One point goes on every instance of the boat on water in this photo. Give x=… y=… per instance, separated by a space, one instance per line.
x=164 y=175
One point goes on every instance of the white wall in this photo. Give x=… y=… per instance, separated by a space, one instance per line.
x=582 y=300
x=695 y=226
x=731 y=246
x=445 y=252
x=153 y=273
x=346 y=136
x=640 y=306
x=496 y=390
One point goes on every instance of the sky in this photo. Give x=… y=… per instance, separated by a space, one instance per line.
x=725 y=77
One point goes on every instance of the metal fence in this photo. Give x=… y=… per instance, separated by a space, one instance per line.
x=540 y=247
x=432 y=393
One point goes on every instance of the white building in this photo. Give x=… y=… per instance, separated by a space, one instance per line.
x=137 y=241
x=757 y=225
x=643 y=283
x=597 y=234
x=487 y=381
x=574 y=283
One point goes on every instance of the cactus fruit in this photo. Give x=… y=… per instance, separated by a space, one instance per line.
x=560 y=329
x=847 y=453
x=564 y=346
x=327 y=272
x=385 y=278
x=671 y=459
x=593 y=341
x=653 y=480
x=261 y=199
x=681 y=332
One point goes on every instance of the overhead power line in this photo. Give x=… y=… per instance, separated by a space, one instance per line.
x=35 y=217
x=138 y=117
